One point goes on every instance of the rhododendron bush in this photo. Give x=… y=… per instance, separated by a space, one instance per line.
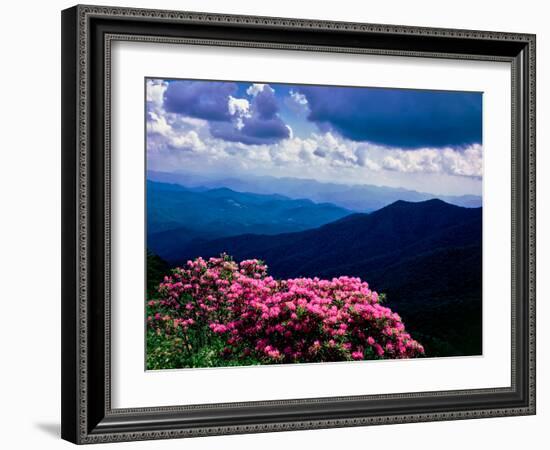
x=218 y=312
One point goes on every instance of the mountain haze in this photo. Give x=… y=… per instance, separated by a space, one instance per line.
x=359 y=198
x=176 y=215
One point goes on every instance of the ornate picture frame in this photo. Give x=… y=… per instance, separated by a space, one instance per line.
x=88 y=33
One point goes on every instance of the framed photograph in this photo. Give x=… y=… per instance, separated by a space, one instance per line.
x=283 y=224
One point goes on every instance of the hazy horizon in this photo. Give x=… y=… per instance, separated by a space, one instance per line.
x=235 y=176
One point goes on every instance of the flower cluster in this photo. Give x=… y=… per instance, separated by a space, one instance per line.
x=295 y=320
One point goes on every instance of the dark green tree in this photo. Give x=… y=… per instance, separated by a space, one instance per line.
x=157 y=268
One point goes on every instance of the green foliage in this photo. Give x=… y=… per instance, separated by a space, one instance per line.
x=175 y=351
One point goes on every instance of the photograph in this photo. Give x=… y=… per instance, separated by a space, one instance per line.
x=301 y=223
x=284 y=220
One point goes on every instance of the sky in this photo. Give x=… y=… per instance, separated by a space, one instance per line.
x=429 y=141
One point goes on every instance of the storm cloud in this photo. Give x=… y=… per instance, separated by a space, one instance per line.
x=206 y=100
x=230 y=118
x=257 y=124
x=397 y=117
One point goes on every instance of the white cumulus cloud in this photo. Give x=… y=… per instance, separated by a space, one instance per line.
x=188 y=140
x=162 y=133
x=238 y=106
x=155 y=92
x=298 y=98
x=465 y=162
x=256 y=88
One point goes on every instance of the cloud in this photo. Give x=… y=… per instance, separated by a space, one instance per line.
x=467 y=163
x=397 y=117
x=239 y=106
x=251 y=135
x=270 y=142
x=255 y=88
x=157 y=124
x=163 y=134
x=255 y=123
x=251 y=131
x=230 y=118
x=290 y=131
x=200 y=99
x=155 y=92
x=331 y=150
x=264 y=103
x=298 y=98
x=189 y=140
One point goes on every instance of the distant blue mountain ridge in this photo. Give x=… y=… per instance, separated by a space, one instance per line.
x=358 y=198
x=177 y=216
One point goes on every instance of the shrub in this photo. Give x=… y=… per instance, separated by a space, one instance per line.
x=217 y=312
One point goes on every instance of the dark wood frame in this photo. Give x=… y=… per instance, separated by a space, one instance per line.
x=87 y=32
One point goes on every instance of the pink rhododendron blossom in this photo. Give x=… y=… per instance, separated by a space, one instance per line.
x=279 y=321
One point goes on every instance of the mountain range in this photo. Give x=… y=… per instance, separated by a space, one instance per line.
x=426 y=257
x=358 y=198
x=176 y=215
